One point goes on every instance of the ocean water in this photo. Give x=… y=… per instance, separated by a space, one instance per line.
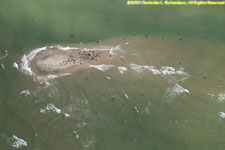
x=165 y=90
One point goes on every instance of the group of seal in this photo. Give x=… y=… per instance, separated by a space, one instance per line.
x=69 y=60
x=90 y=55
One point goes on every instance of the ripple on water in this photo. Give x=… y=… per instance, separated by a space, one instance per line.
x=89 y=142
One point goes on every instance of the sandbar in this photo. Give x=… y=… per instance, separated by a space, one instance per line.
x=53 y=61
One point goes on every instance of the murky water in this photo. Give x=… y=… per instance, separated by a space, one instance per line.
x=167 y=93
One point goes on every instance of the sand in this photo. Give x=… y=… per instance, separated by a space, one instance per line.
x=55 y=61
x=51 y=62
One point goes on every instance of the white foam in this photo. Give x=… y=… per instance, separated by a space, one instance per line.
x=52 y=76
x=15 y=65
x=102 y=48
x=88 y=143
x=108 y=78
x=221 y=114
x=50 y=107
x=163 y=71
x=25 y=92
x=108 y=48
x=34 y=52
x=136 y=109
x=4 y=56
x=139 y=68
x=114 y=48
x=212 y=95
x=66 y=115
x=126 y=96
x=166 y=70
x=81 y=124
x=177 y=90
x=65 y=48
x=101 y=67
x=47 y=84
x=221 y=97
x=84 y=101
x=16 y=142
x=76 y=134
x=25 y=66
x=65 y=74
x=147 y=108
x=135 y=54
x=3 y=67
x=44 y=79
x=122 y=69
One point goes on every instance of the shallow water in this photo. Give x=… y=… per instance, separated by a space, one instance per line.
x=145 y=109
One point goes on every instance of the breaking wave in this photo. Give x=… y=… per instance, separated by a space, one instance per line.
x=176 y=90
x=25 y=92
x=15 y=65
x=51 y=107
x=221 y=97
x=163 y=71
x=16 y=142
x=221 y=114
x=122 y=69
x=126 y=96
x=25 y=66
x=5 y=55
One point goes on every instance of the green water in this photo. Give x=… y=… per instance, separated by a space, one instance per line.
x=186 y=122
